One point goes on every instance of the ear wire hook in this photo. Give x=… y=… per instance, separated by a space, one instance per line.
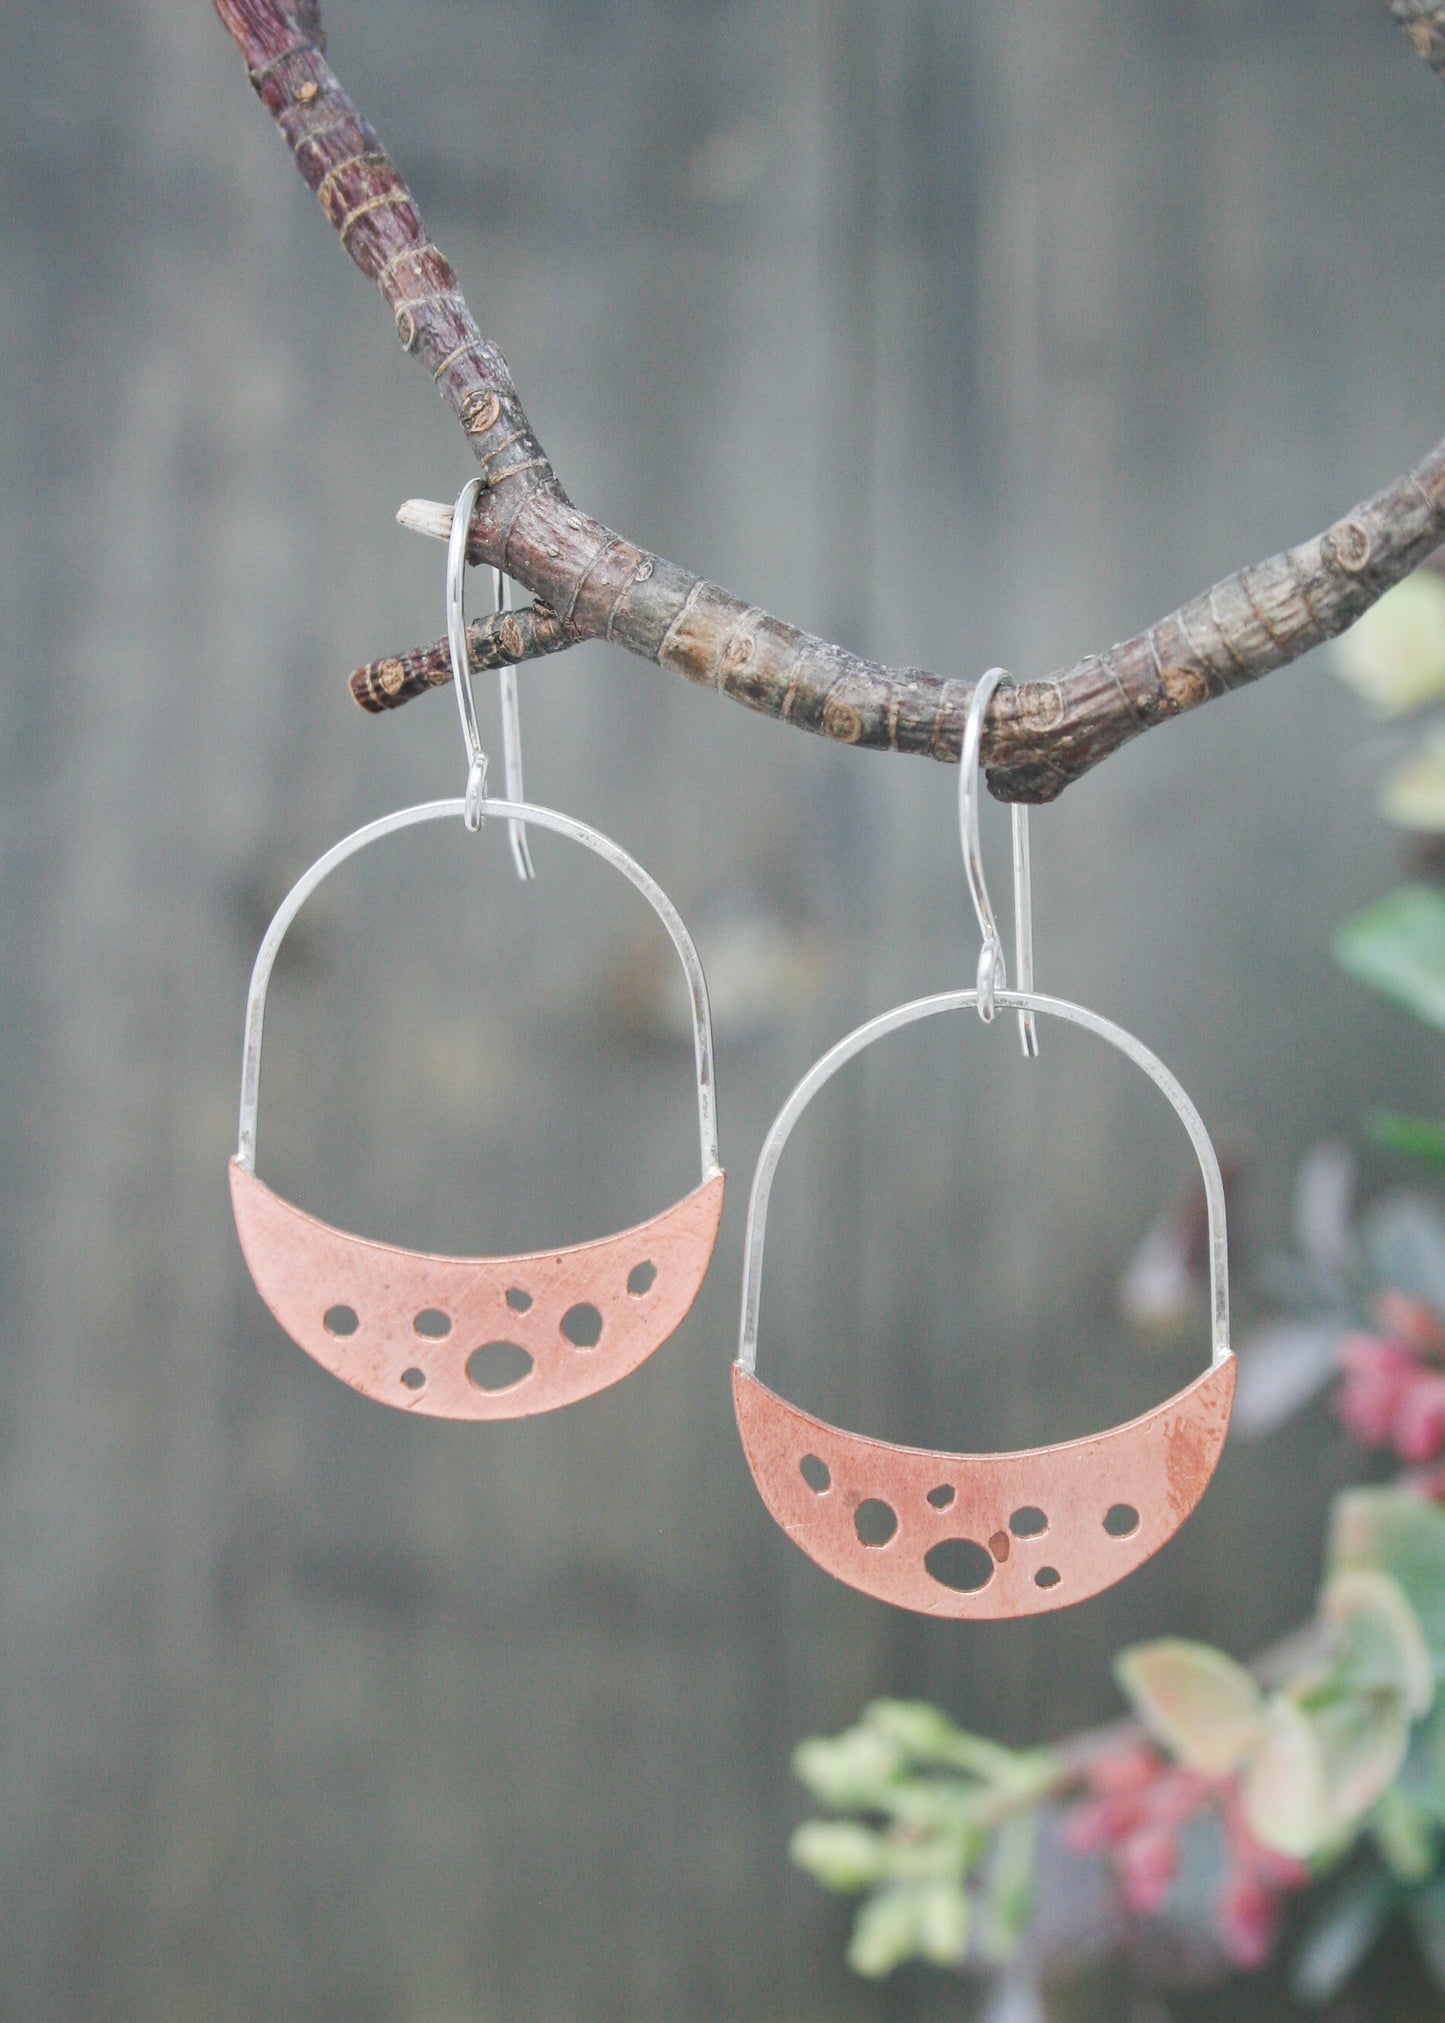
x=512 y=739
x=992 y=976
x=476 y=792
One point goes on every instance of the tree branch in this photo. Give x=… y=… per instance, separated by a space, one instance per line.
x=594 y=584
x=506 y=638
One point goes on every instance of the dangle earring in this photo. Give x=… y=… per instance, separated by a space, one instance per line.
x=984 y=1534
x=476 y=1337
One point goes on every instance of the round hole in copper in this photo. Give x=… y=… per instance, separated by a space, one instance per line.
x=1029 y=1522
x=340 y=1320
x=413 y=1378
x=815 y=1472
x=433 y=1323
x=941 y=1497
x=1047 y=1576
x=640 y=1278
x=518 y=1300
x=875 y=1521
x=497 y=1366
x=959 y=1563
x=582 y=1325
x=1121 y=1520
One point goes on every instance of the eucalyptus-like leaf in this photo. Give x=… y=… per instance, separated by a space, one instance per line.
x=1201 y=1705
x=1283 y=1784
x=1394 y=656
x=1406 y=1834
x=1380 y=1646
x=1363 y=1740
x=1343 y=1932
x=840 y=1854
x=1420 y=1138
x=1414 y=794
x=1397 y=946
x=1422 y=1777
x=1426 y=1910
x=1393 y=1532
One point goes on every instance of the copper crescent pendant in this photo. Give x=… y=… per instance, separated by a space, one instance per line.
x=477 y=1337
x=984 y=1534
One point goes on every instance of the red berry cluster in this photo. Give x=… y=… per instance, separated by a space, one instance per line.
x=1139 y=1802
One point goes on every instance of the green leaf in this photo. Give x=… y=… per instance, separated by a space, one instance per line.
x=943 y=1922
x=1380 y=1645
x=1426 y=1910
x=1283 y=1784
x=1405 y=1835
x=1414 y=794
x=840 y=1854
x=1417 y=1137
x=1321 y=1766
x=930 y=1920
x=852 y=1772
x=1344 y=1932
x=1397 y=946
x=1363 y=1741
x=1009 y=1887
x=925 y=1736
x=1422 y=1776
x=1393 y=1532
x=1201 y=1705
x=1394 y=656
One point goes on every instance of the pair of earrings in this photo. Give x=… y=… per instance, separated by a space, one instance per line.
x=497 y=1338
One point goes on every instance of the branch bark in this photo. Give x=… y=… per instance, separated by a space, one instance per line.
x=594 y=584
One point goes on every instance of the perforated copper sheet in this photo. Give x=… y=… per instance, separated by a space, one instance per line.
x=305 y=1271
x=1154 y=1469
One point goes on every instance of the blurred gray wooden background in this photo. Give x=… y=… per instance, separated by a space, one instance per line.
x=964 y=332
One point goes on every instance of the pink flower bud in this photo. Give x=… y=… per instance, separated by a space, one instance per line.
x=1248 y=1921
x=1147 y=1863
x=1378 y=1375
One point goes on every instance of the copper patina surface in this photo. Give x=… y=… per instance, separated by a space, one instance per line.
x=1036 y=1520
x=470 y=1307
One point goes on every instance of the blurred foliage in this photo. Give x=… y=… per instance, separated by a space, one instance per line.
x=945 y=1872
x=1397 y=946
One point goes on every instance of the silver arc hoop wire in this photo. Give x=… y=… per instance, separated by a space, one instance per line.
x=509 y=811
x=901 y=1015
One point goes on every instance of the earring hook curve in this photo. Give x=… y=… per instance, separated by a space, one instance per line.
x=992 y=972
x=476 y=791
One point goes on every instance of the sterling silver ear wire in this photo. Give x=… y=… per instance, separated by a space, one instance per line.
x=461 y=677
x=991 y=973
